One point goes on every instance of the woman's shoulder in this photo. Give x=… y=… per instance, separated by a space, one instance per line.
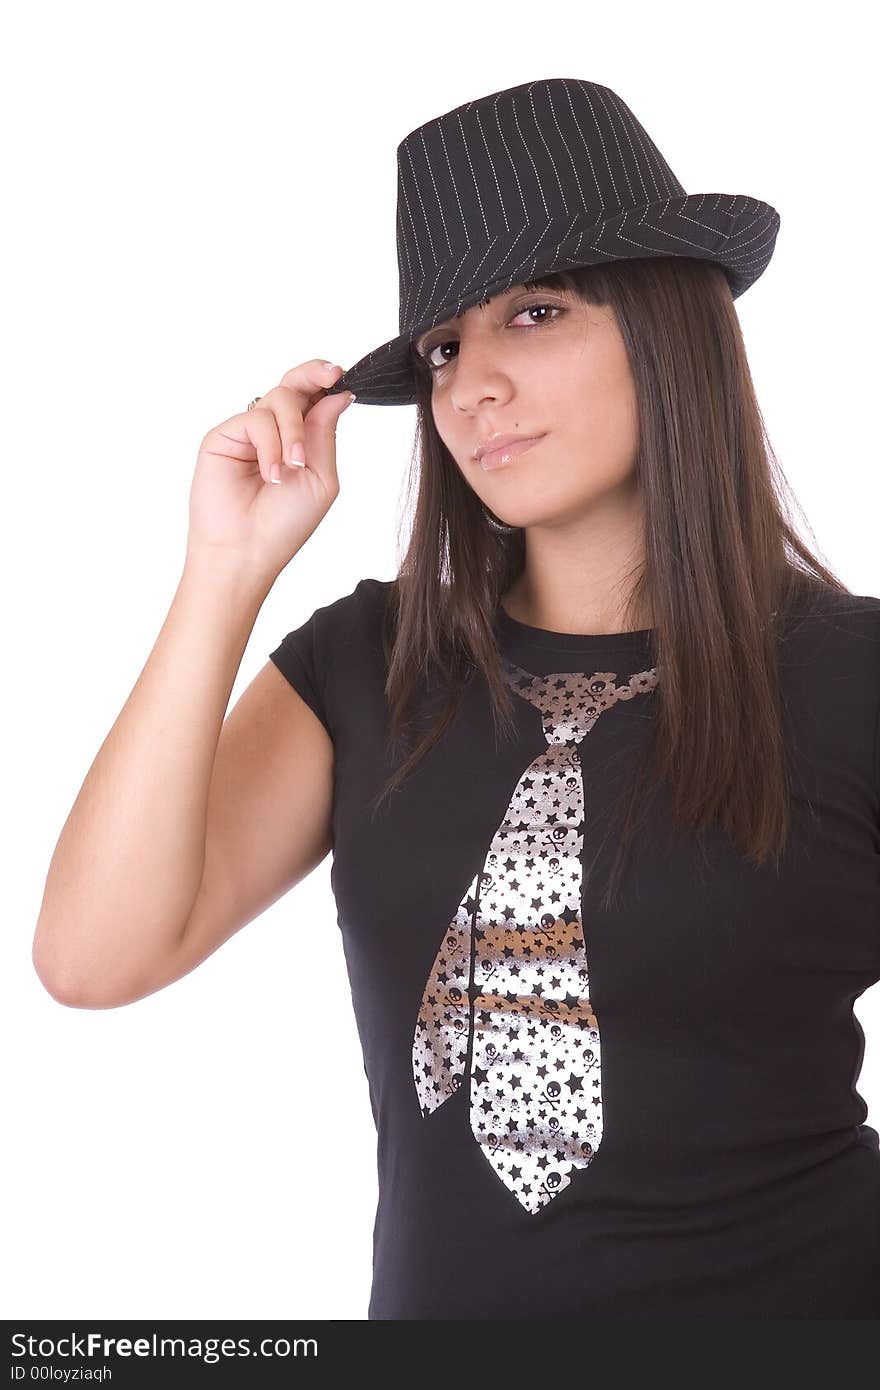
x=834 y=624
x=367 y=597
x=824 y=603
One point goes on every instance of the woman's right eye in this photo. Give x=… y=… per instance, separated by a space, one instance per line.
x=426 y=356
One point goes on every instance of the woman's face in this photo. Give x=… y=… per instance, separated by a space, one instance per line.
x=559 y=371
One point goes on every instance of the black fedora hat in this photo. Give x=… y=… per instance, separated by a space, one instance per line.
x=538 y=178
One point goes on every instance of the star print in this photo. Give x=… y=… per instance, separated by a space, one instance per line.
x=537 y=968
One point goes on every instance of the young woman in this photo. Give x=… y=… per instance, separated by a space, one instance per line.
x=598 y=767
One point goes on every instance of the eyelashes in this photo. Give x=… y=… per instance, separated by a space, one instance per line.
x=425 y=355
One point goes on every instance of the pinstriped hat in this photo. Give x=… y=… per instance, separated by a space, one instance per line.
x=531 y=180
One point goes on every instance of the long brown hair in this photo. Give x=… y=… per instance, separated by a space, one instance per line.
x=722 y=568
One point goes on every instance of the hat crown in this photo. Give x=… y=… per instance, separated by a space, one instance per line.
x=528 y=162
x=548 y=176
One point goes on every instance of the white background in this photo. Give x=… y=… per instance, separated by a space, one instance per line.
x=200 y=196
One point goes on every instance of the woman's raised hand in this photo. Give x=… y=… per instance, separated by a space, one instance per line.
x=236 y=510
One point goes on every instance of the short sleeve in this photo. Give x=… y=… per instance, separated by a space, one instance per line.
x=320 y=658
x=300 y=660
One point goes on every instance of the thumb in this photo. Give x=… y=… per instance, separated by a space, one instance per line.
x=319 y=426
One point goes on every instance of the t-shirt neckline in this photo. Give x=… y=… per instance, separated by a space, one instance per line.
x=632 y=641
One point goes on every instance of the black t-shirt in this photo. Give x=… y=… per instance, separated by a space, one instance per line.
x=644 y=1112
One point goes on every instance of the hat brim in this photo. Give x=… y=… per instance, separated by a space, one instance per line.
x=736 y=231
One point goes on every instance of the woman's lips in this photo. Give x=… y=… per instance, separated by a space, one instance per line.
x=496 y=458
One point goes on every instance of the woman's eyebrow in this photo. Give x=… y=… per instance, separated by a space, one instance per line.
x=446 y=323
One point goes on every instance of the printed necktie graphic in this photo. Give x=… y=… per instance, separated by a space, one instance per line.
x=507 y=1000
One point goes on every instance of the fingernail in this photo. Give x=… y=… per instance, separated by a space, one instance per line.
x=274 y=474
x=297 y=453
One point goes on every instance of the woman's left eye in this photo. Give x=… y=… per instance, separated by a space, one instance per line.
x=526 y=309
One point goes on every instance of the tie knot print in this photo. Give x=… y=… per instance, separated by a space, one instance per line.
x=570 y=702
x=506 y=1007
